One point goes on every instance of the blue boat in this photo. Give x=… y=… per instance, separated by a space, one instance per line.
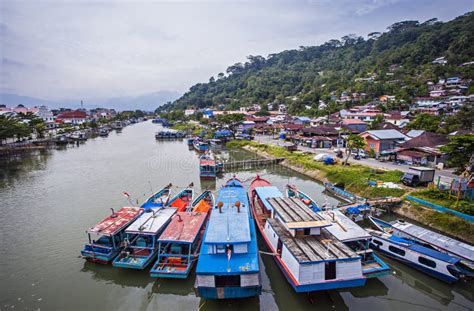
x=200 y=145
x=106 y=237
x=228 y=265
x=159 y=199
x=208 y=167
x=293 y=192
x=180 y=243
x=427 y=260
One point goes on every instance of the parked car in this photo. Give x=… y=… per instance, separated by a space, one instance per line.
x=361 y=153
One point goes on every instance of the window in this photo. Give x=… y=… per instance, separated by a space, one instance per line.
x=427 y=262
x=220 y=249
x=372 y=146
x=396 y=250
x=307 y=231
x=227 y=280
x=377 y=242
x=330 y=270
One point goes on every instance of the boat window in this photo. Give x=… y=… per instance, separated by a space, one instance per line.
x=307 y=231
x=227 y=280
x=330 y=270
x=220 y=249
x=379 y=243
x=427 y=262
x=396 y=250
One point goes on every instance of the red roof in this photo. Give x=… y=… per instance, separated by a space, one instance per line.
x=184 y=227
x=72 y=115
x=352 y=121
x=114 y=223
x=207 y=162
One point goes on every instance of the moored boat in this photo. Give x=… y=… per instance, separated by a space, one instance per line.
x=432 y=262
x=228 y=265
x=110 y=235
x=429 y=238
x=208 y=167
x=183 y=199
x=200 y=145
x=293 y=192
x=180 y=243
x=310 y=258
x=357 y=239
x=140 y=243
x=159 y=199
x=169 y=134
x=103 y=132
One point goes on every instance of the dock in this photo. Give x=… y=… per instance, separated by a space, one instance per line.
x=250 y=164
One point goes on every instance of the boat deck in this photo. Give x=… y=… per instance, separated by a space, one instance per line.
x=312 y=248
x=296 y=214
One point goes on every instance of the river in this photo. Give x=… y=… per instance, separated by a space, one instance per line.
x=49 y=199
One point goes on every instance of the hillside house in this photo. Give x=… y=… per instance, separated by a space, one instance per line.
x=382 y=140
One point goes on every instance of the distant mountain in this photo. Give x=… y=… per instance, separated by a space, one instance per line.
x=147 y=102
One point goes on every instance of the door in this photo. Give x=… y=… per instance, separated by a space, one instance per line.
x=279 y=246
x=330 y=270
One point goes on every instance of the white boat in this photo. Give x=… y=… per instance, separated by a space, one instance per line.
x=439 y=265
x=425 y=236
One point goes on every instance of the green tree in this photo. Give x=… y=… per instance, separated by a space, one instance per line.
x=353 y=142
x=459 y=149
x=425 y=122
x=378 y=120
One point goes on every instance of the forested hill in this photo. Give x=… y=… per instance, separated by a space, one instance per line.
x=399 y=60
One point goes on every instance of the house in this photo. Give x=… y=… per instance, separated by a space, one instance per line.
x=453 y=81
x=72 y=117
x=355 y=124
x=382 y=140
x=208 y=113
x=437 y=93
x=429 y=106
x=364 y=116
x=440 y=61
x=282 y=108
x=189 y=112
x=302 y=120
x=397 y=119
x=424 y=149
x=414 y=133
x=246 y=125
x=47 y=116
x=387 y=98
x=324 y=136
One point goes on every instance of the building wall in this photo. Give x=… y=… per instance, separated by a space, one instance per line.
x=311 y=273
x=349 y=269
x=372 y=144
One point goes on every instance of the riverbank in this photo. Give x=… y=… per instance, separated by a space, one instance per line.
x=355 y=179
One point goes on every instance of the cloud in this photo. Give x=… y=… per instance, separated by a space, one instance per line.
x=81 y=49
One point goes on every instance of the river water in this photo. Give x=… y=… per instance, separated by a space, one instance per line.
x=49 y=199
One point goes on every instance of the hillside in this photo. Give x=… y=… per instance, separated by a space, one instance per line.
x=397 y=62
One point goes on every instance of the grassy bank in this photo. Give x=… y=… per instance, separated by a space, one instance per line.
x=188 y=128
x=442 y=198
x=354 y=177
x=446 y=223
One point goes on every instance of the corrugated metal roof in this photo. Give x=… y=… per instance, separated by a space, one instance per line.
x=387 y=134
x=184 y=227
x=343 y=228
x=151 y=222
x=114 y=223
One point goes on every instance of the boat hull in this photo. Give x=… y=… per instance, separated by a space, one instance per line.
x=98 y=257
x=137 y=263
x=228 y=292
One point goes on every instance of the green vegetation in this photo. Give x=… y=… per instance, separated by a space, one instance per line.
x=354 y=177
x=397 y=62
x=425 y=122
x=188 y=128
x=455 y=226
x=353 y=142
x=442 y=198
x=460 y=149
x=20 y=126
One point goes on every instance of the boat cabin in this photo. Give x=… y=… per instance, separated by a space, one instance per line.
x=141 y=238
x=312 y=259
x=179 y=245
x=105 y=237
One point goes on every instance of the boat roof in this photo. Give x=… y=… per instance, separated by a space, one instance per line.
x=207 y=162
x=116 y=222
x=295 y=214
x=451 y=245
x=184 y=227
x=433 y=253
x=230 y=226
x=312 y=248
x=343 y=228
x=151 y=222
x=267 y=192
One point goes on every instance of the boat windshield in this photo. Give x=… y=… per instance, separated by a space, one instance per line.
x=107 y=241
x=140 y=241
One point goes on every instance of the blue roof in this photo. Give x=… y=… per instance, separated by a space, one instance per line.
x=230 y=227
x=433 y=253
x=265 y=193
x=304 y=119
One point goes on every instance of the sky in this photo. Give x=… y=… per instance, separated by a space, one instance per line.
x=95 y=49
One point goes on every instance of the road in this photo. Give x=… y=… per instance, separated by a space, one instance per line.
x=445 y=175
